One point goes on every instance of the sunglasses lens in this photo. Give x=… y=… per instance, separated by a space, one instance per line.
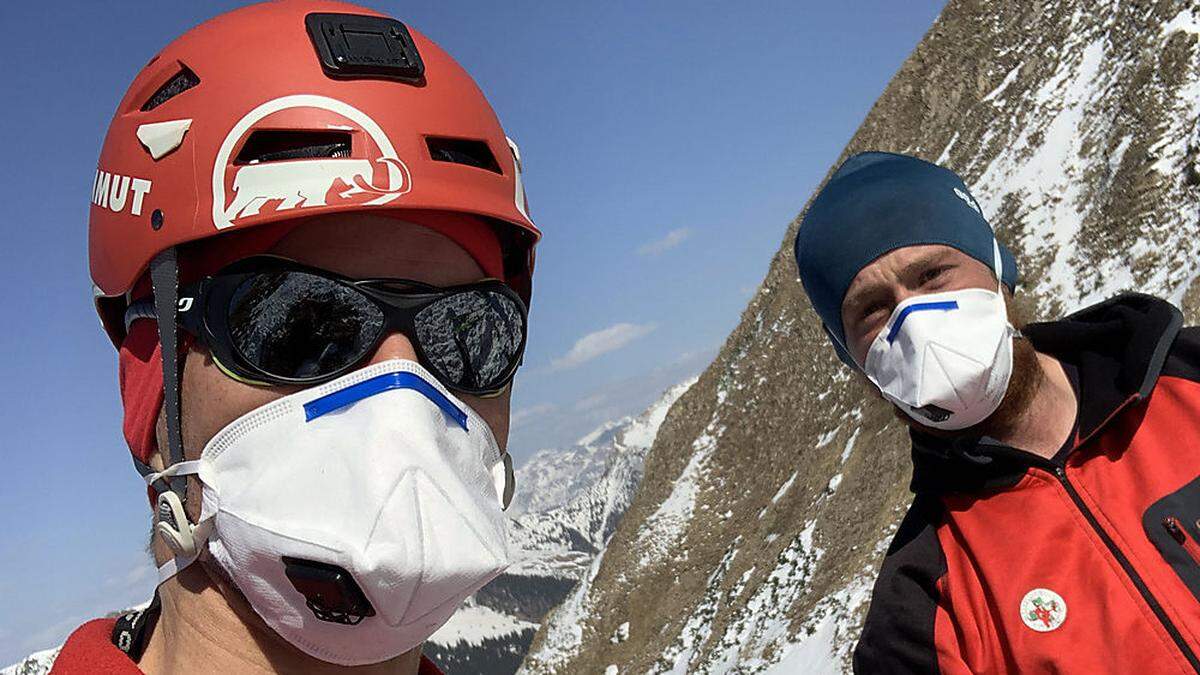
x=301 y=326
x=474 y=338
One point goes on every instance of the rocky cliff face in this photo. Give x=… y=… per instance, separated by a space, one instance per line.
x=777 y=481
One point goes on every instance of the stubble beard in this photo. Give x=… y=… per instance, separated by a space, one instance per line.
x=1027 y=378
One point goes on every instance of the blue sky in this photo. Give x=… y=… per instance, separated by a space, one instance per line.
x=666 y=147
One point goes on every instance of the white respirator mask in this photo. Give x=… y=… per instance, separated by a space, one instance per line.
x=946 y=358
x=355 y=516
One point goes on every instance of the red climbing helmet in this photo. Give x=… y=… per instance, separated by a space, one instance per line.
x=290 y=109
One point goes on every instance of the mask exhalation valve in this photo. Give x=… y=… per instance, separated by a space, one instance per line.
x=934 y=413
x=329 y=591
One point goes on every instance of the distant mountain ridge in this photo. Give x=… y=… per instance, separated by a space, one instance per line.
x=552 y=476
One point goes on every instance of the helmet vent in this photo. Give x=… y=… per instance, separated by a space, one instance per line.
x=271 y=145
x=462 y=151
x=182 y=81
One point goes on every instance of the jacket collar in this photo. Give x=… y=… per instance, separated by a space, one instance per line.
x=1117 y=347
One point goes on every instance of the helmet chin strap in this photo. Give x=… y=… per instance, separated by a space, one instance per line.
x=172 y=525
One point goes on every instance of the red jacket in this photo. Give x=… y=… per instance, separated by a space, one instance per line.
x=109 y=646
x=1085 y=563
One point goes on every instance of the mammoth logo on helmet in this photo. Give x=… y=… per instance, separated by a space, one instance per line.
x=242 y=191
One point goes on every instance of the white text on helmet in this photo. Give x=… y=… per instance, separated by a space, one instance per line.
x=113 y=191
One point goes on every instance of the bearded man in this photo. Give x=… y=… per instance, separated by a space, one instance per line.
x=1056 y=465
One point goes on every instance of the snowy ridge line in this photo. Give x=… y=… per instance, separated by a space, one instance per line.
x=571 y=538
x=563 y=539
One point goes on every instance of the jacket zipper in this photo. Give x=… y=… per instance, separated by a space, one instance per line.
x=1061 y=473
x=1180 y=535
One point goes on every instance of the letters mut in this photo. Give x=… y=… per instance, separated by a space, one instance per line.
x=115 y=192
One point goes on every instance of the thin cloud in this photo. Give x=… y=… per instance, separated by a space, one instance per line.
x=591 y=402
x=609 y=401
x=51 y=635
x=659 y=246
x=600 y=342
x=520 y=417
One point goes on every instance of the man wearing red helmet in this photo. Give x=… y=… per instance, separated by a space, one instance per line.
x=309 y=240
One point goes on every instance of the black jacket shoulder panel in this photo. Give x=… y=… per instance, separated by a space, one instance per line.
x=897 y=636
x=1184 y=358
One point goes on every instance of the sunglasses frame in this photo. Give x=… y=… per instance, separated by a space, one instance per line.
x=204 y=309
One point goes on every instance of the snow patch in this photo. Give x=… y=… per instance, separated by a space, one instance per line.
x=677 y=658
x=827 y=437
x=764 y=619
x=1185 y=21
x=1008 y=79
x=665 y=527
x=1047 y=163
x=827 y=636
x=474 y=623
x=850 y=445
x=833 y=484
x=784 y=488
x=946 y=152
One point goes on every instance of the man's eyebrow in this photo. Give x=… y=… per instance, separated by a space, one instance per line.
x=861 y=296
x=913 y=269
x=864 y=295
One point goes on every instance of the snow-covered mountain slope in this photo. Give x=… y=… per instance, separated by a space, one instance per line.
x=777 y=481
x=571 y=501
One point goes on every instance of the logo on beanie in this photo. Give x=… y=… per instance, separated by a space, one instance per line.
x=967 y=198
x=244 y=192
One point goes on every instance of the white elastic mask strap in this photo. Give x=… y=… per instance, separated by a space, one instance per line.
x=174 y=566
x=998 y=266
x=179 y=563
x=177 y=469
